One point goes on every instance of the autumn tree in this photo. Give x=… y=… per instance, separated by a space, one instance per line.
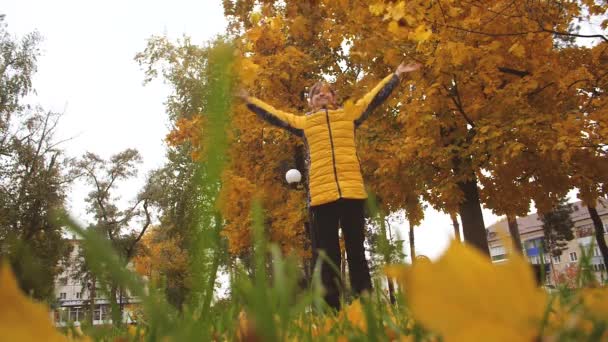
x=164 y=262
x=583 y=142
x=184 y=66
x=501 y=81
x=33 y=175
x=496 y=94
x=123 y=225
x=188 y=211
x=17 y=66
x=287 y=49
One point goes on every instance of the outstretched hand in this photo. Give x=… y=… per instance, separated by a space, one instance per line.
x=409 y=67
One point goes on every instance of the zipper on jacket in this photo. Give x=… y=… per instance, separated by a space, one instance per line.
x=333 y=154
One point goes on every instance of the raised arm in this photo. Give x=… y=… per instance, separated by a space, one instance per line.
x=368 y=103
x=292 y=123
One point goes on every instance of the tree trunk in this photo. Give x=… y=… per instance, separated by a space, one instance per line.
x=456 y=227
x=514 y=231
x=553 y=273
x=599 y=233
x=343 y=263
x=215 y=264
x=92 y=295
x=300 y=162
x=391 y=290
x=116 y=313
x=121 y=305
x=308 y=263
x=412 y=243
x=391 y=287
x=473 y=227
x=211 y=282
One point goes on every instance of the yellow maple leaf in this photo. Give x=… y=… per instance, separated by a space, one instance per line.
x=396 y=12
x=248 y=72
x=22 y=319
x=421 y=33
x=393 y=27
x=494 y=45
x=517 y=50
x=377 y=8
x=454 y=11
x=464 y=290
x=459 y=52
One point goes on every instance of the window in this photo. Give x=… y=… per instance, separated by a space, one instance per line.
x=106 y=313
x=97 y=313
x=557 y=259
x=499 y=257
x=76 y=314
x=60 y=315
x=78 y=295
x=63 y=281
x=62 y=295
x=573 y=256
x=584 y=230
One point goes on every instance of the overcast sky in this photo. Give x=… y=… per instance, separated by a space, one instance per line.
x=87 y=72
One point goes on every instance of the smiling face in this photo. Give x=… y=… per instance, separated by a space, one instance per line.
x=322 y=96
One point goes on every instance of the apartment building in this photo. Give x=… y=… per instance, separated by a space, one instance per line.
x=73 y=293
x=559 y=267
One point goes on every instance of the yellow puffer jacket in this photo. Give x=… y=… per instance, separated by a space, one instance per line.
x=334 y=171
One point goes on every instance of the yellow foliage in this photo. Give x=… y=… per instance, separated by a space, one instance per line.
x=159 y=256
x=496 y=95
x=595 y=301
x=22 y=319
x=355 y=315
x=517 y=50
x=501 y=301
x=421 y=33
x=377 y=8
x=248 y=71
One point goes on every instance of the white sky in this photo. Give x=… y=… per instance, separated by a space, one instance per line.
x=87 y=71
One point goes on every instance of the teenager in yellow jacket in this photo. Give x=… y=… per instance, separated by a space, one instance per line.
x=335 y=185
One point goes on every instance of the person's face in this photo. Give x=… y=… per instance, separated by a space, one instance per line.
x=322 y=97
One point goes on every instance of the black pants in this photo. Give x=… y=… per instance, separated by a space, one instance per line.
x=326 y=218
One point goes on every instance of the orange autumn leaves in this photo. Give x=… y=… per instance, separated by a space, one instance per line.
x=188 y=130
x=498 y=90
x=161 y=258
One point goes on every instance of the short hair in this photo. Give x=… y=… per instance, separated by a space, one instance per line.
x=317 y=86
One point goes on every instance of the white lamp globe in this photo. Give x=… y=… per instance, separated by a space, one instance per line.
x=293 y=176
